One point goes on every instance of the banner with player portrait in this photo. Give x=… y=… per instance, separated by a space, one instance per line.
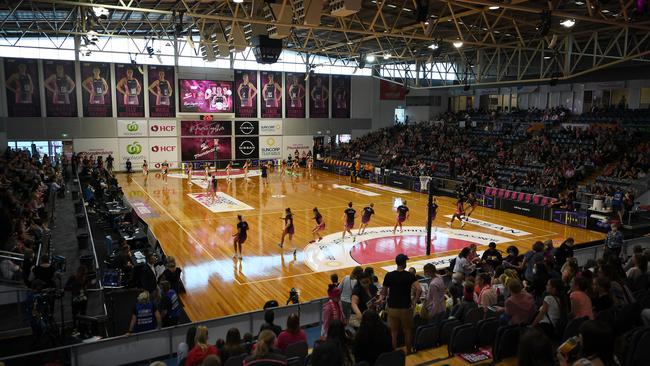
x=295 y=95
x=341 y=85
x=161 y=91
x=95 y=91
x=271 y=94
x=129 y=90
x=21 y=81
x=319 y=92
x=60 y=93
x=206 y=148
x=206 y=128
x=205 y=96
x=246 y=93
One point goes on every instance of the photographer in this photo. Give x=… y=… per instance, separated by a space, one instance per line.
x=77 y=284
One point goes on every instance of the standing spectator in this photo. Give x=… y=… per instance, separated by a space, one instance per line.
x=233 y=346
x=399 y=286
x=201 y=349
x=76 y=284
x=435 y=300
x=28 y=263
x=335 y=350
x=269 y=318
x=346 y=287
x=148 y=275
x=145 y=315
x=332 y=310
x=170 y=306
x=172 y=274
x=372 y=339
x=564 y=252
x=580 y=301
x=45 y=272
x=293 y=333
x=614 y=241
x=364 y=292
x=185 y=347
x=265 y=354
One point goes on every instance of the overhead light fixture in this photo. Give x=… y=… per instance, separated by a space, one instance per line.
x=458 y=44
x=370 y=58
x=101 y=13
x=547 y=57
x=349 y=43
x=237 y=1
x=387 y=56
x=494 y=7
x=433 y=46
x=426 y=23
x=579 y=3
x=93 y=37
x=568 y=23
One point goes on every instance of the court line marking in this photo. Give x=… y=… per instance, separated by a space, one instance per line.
x=179 y=225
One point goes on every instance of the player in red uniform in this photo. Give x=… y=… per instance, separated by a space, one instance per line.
x=472 y=202
x=240 y=236
x=348 y=220
x=402 y=215
x=460 y=212
x=368 y=211
x=320 y=225
x=288 y=229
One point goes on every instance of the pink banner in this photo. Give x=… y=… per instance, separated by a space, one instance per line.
x=295 y=95
x=161 y=91
x=246 y=93
x=96 y=92
x=130 y=98
x=21 y=81
x=271 y=94
x=205 y=96
x=206 y=148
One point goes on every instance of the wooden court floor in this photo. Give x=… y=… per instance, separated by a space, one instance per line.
x=218 y=285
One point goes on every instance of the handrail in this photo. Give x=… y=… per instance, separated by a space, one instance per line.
x=92 y=241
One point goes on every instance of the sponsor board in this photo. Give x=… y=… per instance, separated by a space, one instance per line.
x=355 y=190
x=493 y=226
x=299 y=144
x=131 y=128
x=246 y=128
x=162 y=128
x=246 y=148
x=386 y=188
x=332 y=253
x=270 y=147
x=270 y=127
x=134 y=149
x=96 y=147
x=143 y=209
x=163 y=148
x=221 y=203
x=206 y=128
x=158 y=165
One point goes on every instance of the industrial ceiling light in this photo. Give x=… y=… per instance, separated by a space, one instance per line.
x=433 y=46
x=237 y=1
x=568 y=23
x=370 y=58
x=494 y=7
x=93 y=37
x=547 y=57
x=101 y=13
x=458 y=44
x=387 y=56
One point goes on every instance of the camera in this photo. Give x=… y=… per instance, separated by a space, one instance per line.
x=294 y=296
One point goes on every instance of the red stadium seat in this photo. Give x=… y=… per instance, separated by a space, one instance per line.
x=535 y=199
x=528 y=197
x=507 y=195
x=544 y=201
x=521 y=196
x=501 y=192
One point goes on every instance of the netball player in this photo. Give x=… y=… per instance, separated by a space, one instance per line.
x=96 y=86
x=310 y=165
x=340 y=95
x=320 y=225
x=145 y=168
x=288 y=229
x=239 y=237
x=165 y=170
x=349 y=215
x=246 y=91
x=247 y=164
x=472 y=202
x=207 y=171
x=21 y=84
x=295 y=167
x=190 y=171
x=296 y=92
x=228 y=171
x=434 y=211
x=271 y=92
x=402 y=215
x=264 y=167
x=162 y=89
x=319 y=94
x=130 y=88
x=213 y=187
x=283 y=168
x=60 y=85
x=368 y=211
x=460 y=212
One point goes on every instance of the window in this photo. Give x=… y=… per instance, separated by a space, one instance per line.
x=644 y=101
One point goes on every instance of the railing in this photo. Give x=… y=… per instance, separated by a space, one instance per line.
x=12 y=296
x=88 y=228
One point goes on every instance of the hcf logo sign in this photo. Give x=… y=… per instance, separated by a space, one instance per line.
x=163 y=148
x=163 y=128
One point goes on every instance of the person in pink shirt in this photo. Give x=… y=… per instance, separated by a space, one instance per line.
x=332 y=310
x=520 y=306
x=580 y=302
x=293 y=333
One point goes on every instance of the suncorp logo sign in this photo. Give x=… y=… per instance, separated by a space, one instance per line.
x=246 y=147
x=270 y=148
x=163 y=148
x=246 y=128
x=134 y=148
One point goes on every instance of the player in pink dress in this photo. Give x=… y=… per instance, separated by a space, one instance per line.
x=320 y=225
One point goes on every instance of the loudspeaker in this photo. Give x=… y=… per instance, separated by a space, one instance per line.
x=265 y=49
x=422 y=11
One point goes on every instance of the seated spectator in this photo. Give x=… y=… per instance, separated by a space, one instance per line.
x=265 y=354
x=372 y=339
x=293 y=333
x=468 y=304
x=487 y=295
x=269 y=317
x=185 y=347
x=211 y=360
x=580 y=302
x=10 y=270
x=602 y=297
x=463 y=265
x=639 y=269
x=630 y=261
x=520 y=306
x=564 y=252
x=492 y=256
x=201 y=348
x=332 y=310
x=535 y=349
x=551 y=317
x=513 y=259
x=596 y=346
x=145 y=315
x=233 y=345
x=335 y=350
x=531 y=258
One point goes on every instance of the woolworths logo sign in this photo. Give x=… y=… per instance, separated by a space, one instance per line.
x=132 y=127
x=134 y=149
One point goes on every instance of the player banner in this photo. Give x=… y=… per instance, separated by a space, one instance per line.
x=162 y=127
x=205 y=148
x=319 y=86
x=271 y=94
x=131 y=128
x=128 y=86
x=295 y=95
x=161 y=91
x=246 y=93
x=247 y=128
x=205 y=96
x=60 y=93
x=341 y=96
x=96 y=93
x=270 y=147
x=246 y=148
x=206 y=128
x=21 y=81
x=135 y=149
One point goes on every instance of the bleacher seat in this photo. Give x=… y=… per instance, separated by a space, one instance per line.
x=462 y=339
x=486 y=331
x=426 y=336
x=506 y=342
x=394 y=358
x=446 y=327
x=236 y=360
x=297 y=350
x=638 y=348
